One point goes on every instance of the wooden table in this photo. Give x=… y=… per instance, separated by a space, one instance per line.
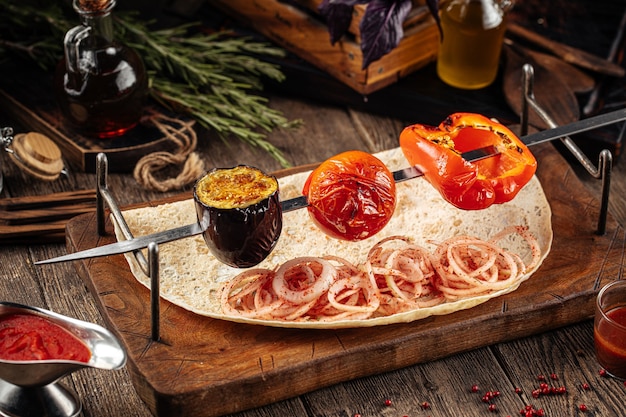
x=445 y=384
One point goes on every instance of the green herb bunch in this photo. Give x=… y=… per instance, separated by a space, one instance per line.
x=212 y=77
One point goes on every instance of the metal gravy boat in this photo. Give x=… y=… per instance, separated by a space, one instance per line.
x=30 y=388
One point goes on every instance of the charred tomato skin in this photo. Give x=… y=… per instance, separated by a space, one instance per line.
x=241 y=237
x=351 y=196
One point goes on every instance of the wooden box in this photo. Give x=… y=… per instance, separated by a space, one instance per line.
x=297 y=27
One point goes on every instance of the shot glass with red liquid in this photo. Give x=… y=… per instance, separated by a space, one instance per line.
x=610 y=328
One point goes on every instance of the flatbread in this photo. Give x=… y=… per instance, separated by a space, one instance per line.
x=191 y=277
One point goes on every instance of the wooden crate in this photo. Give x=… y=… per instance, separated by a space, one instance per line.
x=298 y=28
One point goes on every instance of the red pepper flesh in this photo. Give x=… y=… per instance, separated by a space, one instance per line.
x=436 y=151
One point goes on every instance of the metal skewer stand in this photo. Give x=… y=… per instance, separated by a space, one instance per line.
x=150 y=266
x=605 y=159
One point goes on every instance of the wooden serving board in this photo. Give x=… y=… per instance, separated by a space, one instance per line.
x=208 y=367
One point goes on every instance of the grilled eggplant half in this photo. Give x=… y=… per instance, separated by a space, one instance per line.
x=239 y=209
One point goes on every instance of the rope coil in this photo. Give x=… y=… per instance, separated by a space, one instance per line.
x=183 y=135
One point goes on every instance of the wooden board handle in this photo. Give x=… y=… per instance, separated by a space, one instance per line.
x=569 y=54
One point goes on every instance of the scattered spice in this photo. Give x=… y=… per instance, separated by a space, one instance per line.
x=543 y=389
x=488 y=397
x=530 y=411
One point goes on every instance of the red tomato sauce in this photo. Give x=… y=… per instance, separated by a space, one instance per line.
x=26 y=337
x=611 y=343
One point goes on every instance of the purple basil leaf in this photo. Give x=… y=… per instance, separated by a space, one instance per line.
x=338 y=17
x=433 y=6
x=381 y=28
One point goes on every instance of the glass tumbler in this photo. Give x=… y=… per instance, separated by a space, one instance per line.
x=609 y=328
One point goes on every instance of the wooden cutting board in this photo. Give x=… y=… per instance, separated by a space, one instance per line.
x=207 y=367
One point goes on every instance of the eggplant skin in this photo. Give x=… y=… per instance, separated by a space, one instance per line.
x=241 y=237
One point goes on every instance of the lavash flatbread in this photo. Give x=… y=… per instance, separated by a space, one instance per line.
x=191 y=277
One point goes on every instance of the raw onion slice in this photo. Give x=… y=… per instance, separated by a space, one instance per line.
x=396 y=276
x=303 y=279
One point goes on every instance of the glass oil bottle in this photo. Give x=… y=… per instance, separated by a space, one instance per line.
x=100 y=84
x=473 y=31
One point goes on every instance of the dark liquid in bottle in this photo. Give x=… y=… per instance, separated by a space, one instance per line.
x=105 y=98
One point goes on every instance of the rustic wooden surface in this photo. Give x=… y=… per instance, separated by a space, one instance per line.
x=444 y=383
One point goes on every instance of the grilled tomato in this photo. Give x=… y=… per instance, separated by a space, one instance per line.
x=351 y=195
x=240 y=213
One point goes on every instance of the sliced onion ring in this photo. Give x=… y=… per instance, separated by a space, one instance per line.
x=320 y=283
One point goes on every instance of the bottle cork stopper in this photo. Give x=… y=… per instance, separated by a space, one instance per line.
x=94 y=5
x=37 y=155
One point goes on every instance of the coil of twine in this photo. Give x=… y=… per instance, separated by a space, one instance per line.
x=182 y=134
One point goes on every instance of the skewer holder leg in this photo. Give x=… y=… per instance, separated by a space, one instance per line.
x=605 y=160
x=149 y=266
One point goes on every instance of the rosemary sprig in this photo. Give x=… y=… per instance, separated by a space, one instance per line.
x=218 y=111
x=212 y=78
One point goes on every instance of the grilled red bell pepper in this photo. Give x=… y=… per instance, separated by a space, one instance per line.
x=436 y=151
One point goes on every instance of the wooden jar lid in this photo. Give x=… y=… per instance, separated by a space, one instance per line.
x=37 y=155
